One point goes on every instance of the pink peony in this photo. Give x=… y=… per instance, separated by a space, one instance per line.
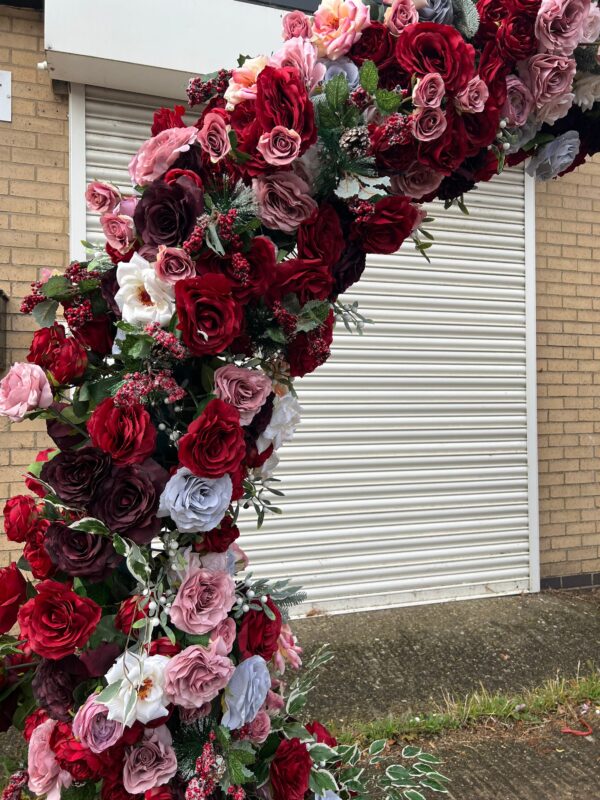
x=560 y=24
x=196 y=676
x=93 y=728
x=150 y=763
x=223 y=637
x=284 y=202
x=519 y=102
x=591 y=26
x=242 y=85
x=102 y=197
x=204 y=599
x=400 y=14
x=428 y=124
x=548 y=77
x=45 y=774
x=118 y=229
x=245 y=389
x=296 y=24
x=301 y=55
x=214 y=136
x=417 y=182
x=157 y=154
x=288 y=651
x=23 y=389
x=173 y=264
x=473 y=97
x=429 y=91
x=337 y=25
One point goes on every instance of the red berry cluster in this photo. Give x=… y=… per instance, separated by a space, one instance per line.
x=360 y=98
x=241 y=268
x=225 y=226
x=76 y=273
x=285 y=318
x=193 y=244
x=204 y=784
x=138 y=386
x=168 y=341
x=15 y=786
x=199 y=90
x=397 y=130
x=34 y=299
x=78 y=314
x=362 y=209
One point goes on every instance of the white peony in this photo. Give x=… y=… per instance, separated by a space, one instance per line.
x=142 y=296
x=140 y=693
x=195 y=504
x=587 y=90
x=283 y=423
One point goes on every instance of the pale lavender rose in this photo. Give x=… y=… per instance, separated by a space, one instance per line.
x=519 y=102
x=417 y=182
x=223 y=637
x=150 y=763
x=93 y=728
x=246 y=389
x=337 y=25
x=554 y=157
x=284 y=200
x=301 y=55
x=400 y=14
x=591 y=26
x=260 y=727
x=429 y=91
x=559 y=25
x=214 y=136
x=23 y=389
x=440 y=11
x=196 y=676
x=473 y=97
x=548 y=77
x=556 y=109
x=173 y=264
x=246 y=692
x=128 y=205
x=428 y=124
x=587 y=90
x=343 y=66
x=157 y=154
x=203 y=600
x=102 y=197
x=118 y=229
x=296 y=24
x=280 y=147
x=45 y=774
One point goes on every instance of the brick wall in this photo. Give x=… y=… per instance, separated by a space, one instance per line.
x=33 y=210
x=568 y=302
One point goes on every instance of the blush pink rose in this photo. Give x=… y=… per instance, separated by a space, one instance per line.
x=418 y=181
x=288 y=651
x=128 y=205
x=242 y=85
x=260 y=727
x=337 y=25
x=150 y=763
x=519 y=102
x=245 y=389
x=547 y=76
x=428 y=124
x=473 y=97
x=559 y=25
x=296 y=24
x=23 y=389
x=93 y=728
x=429 y=91
x=279 y=147
x=301 y=55
x=157 y=154
x=555 y=109
x=591 y=26
x=196 y=676
x=214 y=136
x=45 y=774
x=284 y=200
x=173 y=264
x=223 y=637
x=400 y=14
x=102 y=197
x=118 y=229
x=203 y=600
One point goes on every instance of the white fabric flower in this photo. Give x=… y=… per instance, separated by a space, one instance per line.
x=195 y=504
x=246 y=692
x=587 y=90
x=140 y=696
x=283 y=423
x=142 y=296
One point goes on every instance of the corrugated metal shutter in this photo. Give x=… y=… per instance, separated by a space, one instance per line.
x=407 y=480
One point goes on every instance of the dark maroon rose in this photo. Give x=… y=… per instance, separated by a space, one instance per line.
x=321 y=237
x=54 y=683
x=99 y=660
x=167 y=212
x=258 y=635
x=62 y=434
x=219 y=539
x=430 y=47
x=109 y=286
x=75 y=474
x=98 y=334
x=308 y=280
x=262 y=419
x=349 y=268
x=375 y=44
x=290 y=770
x=127 y=500
x=80 y=554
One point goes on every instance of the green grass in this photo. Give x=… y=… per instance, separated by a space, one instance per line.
x=531 y=706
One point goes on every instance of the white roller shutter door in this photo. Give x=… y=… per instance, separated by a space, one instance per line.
x=408 y=478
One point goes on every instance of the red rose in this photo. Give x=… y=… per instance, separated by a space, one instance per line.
x=493 y=68
x=308 y=280
x=392 y=154
x=20 y=515
x=121 y=258
x=480 y=129
x=209 y=316
x=165 y=118
x=173 y=175
x=375 y=44
x=76 y=758
x=126 y=432
x=516 y=37
x=113 y=789
x=430 y=47
x=98 y=334
x=57 y=621
x=219 y=539
x=163 y=647
x=250 y=273
x=30 y=481
x=391 y=222
x=130 y=611
x=290 y=770
x=282 y=99
x=35 y=553
x=63 y=356
x=321 y=733
x=449 y=151
x=214 y=443
x=258 y=635
x=491 y=14
x=13 y=589
x=38 y=717
x=321 y=237
x=307 y=351
x=159 y=793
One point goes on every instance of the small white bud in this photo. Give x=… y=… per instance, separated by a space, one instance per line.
x=251 y=593
x=154 y=622
x=162 y=599
x=177 y=409
x=506 y=146
x=245 y=608
x=238 y=601
x=263 y=598
x=502 y=124
x=146 y=592
x=152 y=607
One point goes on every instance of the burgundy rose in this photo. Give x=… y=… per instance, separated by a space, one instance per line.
x=282 y=100
x=250 y=273
x=109 y=286
x=98 y=334
x=290 y=770
x=516 y=37
x=165 y=118
x=307 y=351
x=214 y=442
x=63 y=356
x=491 y=14
x=376 y=44
x=209 y=316
x=76 y=758
x=63 y=434
x=449 y=151
x=13 y=591
x=429 y=47
x=391 y=222
x=131 y=610
x=321 y=734
x=308 y=280
x=392 y=153
x=321 y=237
x=219 y=539
x=348 y=269
x=80 y=554
x=54 y=683
x=75 y=474
x=167 y=212
x=125 y=432
x=258 y=635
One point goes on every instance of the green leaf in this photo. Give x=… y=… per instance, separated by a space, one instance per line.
x=434 y=785
x=337 y=92
x=90 y=525
x=108 y=694
x=369 y=77
x=80 y=791
x=57 y=287
x=327 y=117
x=322 y=781
x=413 y=794
x=376 y=747
x=388 y=102
x=429 y=758
x=202 y=639
x=294 y=730
x=322 y=752
x=411 y=752
x=398 y=773
x=45 y=313
x=466 y=18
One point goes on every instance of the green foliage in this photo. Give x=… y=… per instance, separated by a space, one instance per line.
x=57 y=288
x=45 y=313
x=466 y=17
x=81 y=791
x=369 y=77
x=387 y=102
x=337 y=92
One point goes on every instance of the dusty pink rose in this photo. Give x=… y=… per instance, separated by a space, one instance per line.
x=591 y=26
x=190 y=715
x=559 y=25
x=473 y=97
x=428 y=124
x=547 y=77
x=555 y=109
x=279 y=147
x=203 y=601
x=241 y=559
x=283 y=200
x=23 y=389
x=214 y=136
x=429 y=91
x=296 y=24
x=128 y=205
x=242 y=85
x=519 y=102
x=260 y=727
x=150 y=763
x=223 y=637
x=337 y=25
x=288 y=651
x=400 y=14
x=418 y=181
x=301 y=55
x=93 y=728
x=246 y=389
x=45 y=774
x=118 y=229
x=196 y=676
x=173 y=264
x=157 y=154
x=102 y=197
x=274 y=703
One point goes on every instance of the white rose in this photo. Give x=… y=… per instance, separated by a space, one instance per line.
x=283 y=423
x=140 y=696
x=195 y=504
x=142 y=296
x=587 y=90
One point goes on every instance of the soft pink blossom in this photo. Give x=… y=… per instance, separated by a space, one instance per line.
x=214 y=136
x=288 y=651
x=280 y=146
x=245 y=389
x=128 y=205
x=519 y=102
x=301 y=55
x=296 y=23
x=242 y=85
x=150 y=763
x=417 y=182
x=284 y=200
x=555 y=109
x=473 y=97
x=157 y=154
x=93 y=728
x=118 y=229
x=196 y=676
x=173 y=264
x=260 y=727
x=241 y=559
x=429 y=91
x=337 y=25
x=102 y=197
x=428 y=124
x=274 y=703
x=45 y=774
x=400 y=14
x=547 y=77
x=559 y=25
x=203 y=600
x=23 y=389
x=591 y=26
x=223 y=637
